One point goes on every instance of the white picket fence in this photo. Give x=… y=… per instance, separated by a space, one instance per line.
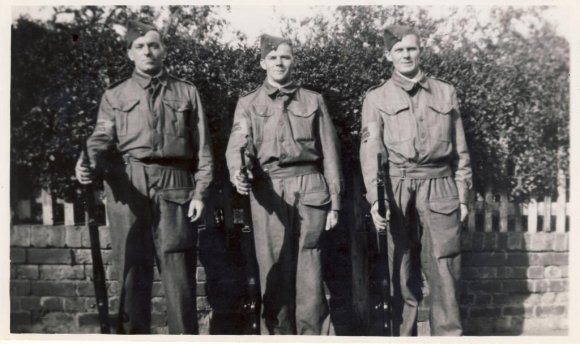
x=546 y=209
x=45 y=199
x=492 y=205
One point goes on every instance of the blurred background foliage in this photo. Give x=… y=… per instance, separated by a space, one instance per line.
x=511 y=73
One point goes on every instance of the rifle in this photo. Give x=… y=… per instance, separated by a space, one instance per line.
x=243 y=221
x=98 y=269
x=385 y=285
x=231 y=237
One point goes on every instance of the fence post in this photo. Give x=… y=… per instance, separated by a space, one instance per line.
x=532 y=215
x=547 y=224
x=561 y=207
x=69 y=214
x=46 y=200
x=503 y=211
x=488 y=223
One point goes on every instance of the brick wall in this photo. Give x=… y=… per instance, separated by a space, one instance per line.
x=515 y=283
x=512 y=283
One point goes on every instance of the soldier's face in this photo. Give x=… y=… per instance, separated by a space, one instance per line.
x=405 y=56
x=148 y=53
x=279 y=63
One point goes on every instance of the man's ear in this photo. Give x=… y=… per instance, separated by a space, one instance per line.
x=263 y=64
x=164 y=49
x=130 y=54
x=388 y=55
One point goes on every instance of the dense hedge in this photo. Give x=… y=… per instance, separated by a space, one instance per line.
x=513 y=93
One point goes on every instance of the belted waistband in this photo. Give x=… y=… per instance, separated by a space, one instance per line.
x=273 y=170
x=420 y=171
x=179 y=164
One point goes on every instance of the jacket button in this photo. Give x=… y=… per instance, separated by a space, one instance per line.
x=281 y=123
x=283 y=156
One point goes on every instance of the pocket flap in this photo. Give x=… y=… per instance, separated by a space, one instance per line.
x=126 y=105
x=393 y=108
x=441 y=107
x=444 y=206
x=261 y=110
x=316 y=199
x=178 y=105
x=306 y=110
x=177 y=195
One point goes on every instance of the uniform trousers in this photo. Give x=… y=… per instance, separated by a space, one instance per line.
x=147 y=207
x=289 y=216
x=435 y=202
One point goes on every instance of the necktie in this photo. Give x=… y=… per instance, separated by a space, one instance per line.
x=153 y=91
x=154 y=88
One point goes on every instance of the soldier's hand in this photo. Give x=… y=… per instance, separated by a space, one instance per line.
x=243 y=185
x=84 y=174
x=195 y=211
x=463 y=211
x=331 y=219
x=379 y=221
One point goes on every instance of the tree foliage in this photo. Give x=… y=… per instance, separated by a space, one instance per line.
x=512 y=83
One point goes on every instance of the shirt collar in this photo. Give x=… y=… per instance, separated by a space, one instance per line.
x=144 y=80
x=407 y=84
x=289 y=88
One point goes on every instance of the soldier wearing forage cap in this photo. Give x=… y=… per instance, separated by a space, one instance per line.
x=294 y=186
x=154 y=123
x=413 y=121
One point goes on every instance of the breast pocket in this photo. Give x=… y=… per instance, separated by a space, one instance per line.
x=398 y=122
x=262 y=127
x=126 y=116
x=440 y=120
x=302 y=122
x=177 y=116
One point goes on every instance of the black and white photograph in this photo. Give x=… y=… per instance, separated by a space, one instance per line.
x=358 y=170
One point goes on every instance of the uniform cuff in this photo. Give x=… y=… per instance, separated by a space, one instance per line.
x=232 y=173
x=335 y=199
x=463 y=192
x=200 y=195
x=372 y=196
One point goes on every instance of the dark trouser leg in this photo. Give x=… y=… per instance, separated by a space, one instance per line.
x=405 y=297
x=312 y=313
x=131 y=241
x=175 y=240
x=274 y=256
x=441 y=238
x=178 y=276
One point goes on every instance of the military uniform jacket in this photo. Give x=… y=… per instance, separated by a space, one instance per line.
x=414 y=125
x=290 y=126
x=159 y=120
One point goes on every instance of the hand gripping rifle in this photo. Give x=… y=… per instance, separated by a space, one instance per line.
x=242 y=220
x=385 y=285
x=98 y=270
